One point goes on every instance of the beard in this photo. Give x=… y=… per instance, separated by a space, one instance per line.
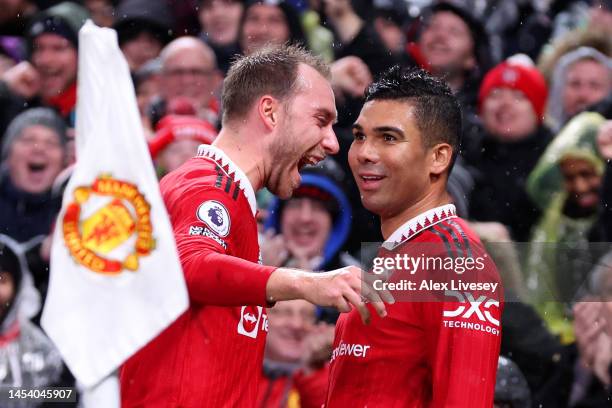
x=285 y=155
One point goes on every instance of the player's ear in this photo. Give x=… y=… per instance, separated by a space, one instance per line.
x=441 y=157
x=267 y=108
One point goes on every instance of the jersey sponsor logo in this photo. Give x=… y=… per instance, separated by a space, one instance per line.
x=252 y=319
x=204 y=231
x=215 y=215
x=475 y=307
x=353 y=350
x=470 y=308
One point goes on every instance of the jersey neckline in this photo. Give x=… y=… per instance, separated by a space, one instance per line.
x=216 y=154
x=420 y=223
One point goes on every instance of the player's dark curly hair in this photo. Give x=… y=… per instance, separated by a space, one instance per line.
x=436 y=109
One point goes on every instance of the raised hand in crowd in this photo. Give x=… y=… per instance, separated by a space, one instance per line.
x=276 y=250
x=344 y=19
x=273 y=249
x=594 y=345
x=604 y=140
x=23 y=79
x=351 y=76
x=318 y=347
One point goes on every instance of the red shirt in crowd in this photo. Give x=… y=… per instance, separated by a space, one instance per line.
x=297 y=390
x=212 y=355
x=436 y=350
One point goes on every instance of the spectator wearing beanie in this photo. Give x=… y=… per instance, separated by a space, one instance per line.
x=49 y=77
x=315 y=223
x=177 y=140
x=512 y=100
x=143 y=27
x=33 y=154
x=312 y=227
x=53 y=45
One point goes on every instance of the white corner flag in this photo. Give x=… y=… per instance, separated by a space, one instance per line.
x=116 y=280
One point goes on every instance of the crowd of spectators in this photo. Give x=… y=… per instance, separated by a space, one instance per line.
x=534 y=175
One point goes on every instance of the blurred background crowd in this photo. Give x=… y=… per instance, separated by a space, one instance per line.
x=534 y=78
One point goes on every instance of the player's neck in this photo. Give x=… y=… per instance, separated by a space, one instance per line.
x=389 y=224
x=246 y=156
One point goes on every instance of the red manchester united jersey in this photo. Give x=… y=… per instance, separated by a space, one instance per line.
x=439 y=344
x=212 y=355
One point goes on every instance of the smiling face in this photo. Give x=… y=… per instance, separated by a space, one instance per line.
x=55 y=59
x=508 y=114
x=447 y=43
x=304 y=133
x=35 y=159
x=586 y=82
x=581 y=182
x=290 y=322
x=306 y=223
x=388 y=158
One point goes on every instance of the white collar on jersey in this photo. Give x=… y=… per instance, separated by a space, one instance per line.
x=239 y=177
x=419 y=223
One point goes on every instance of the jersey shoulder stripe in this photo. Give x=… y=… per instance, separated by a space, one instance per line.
x=464 y=236
x=451 y=239
x=440 y=234
x=219 y=176
x=225 y=183
x=454 y=236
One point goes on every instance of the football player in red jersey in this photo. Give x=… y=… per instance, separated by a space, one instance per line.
x=278 y=111
x=439 y=344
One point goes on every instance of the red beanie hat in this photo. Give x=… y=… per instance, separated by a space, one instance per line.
x=176 y=127
x=519 y=75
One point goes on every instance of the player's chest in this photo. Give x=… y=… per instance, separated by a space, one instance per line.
x=383 y=339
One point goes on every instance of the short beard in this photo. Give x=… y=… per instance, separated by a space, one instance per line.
x=281 y=154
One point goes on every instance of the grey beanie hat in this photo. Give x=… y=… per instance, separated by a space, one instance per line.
x=36 y=116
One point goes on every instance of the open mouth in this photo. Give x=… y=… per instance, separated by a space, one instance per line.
x=304 y=234
x=439 y=48
x=308 y=161
x=51 y=74
x=37 y=167
x=370 y=181
x=587 y=200
x=371 y=178
x=504 y=118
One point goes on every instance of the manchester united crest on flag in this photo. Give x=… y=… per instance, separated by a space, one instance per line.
x=116 y=281
x=121 y=219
